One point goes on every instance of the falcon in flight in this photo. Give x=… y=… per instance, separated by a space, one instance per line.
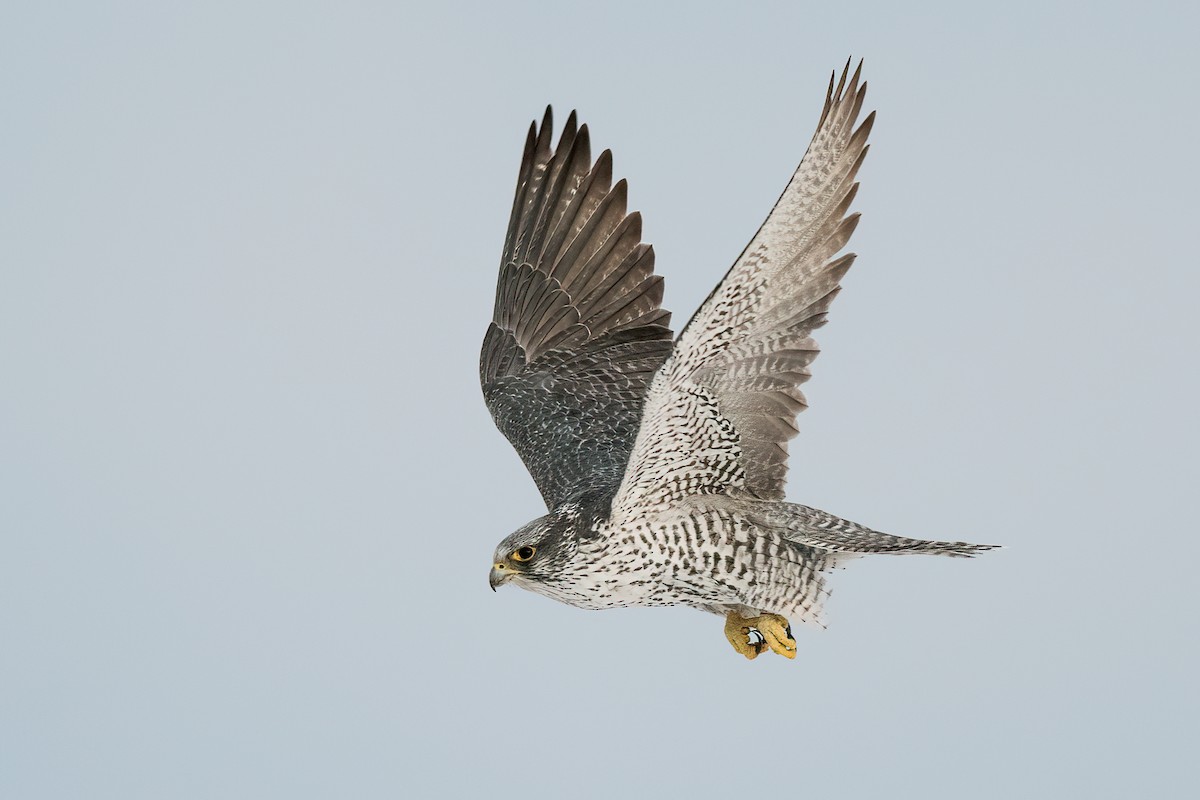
x=662 y=459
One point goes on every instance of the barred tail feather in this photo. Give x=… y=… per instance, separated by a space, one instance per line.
x=815 y=528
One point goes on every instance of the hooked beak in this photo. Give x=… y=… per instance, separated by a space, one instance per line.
x=499 y=576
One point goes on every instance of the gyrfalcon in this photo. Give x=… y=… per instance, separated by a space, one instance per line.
x=662 y=461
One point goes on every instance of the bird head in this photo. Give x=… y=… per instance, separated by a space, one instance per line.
x=534 y=553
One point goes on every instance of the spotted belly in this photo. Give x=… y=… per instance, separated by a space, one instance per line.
x=712 y=561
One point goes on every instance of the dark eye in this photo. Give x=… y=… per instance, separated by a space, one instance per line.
x=523 y=554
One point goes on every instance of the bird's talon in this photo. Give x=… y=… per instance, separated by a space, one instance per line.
x=741 y=636
x=753 y=636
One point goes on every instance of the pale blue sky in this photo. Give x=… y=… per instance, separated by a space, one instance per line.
x=249 y=490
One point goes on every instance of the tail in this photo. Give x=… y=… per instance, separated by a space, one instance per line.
x=815 y=528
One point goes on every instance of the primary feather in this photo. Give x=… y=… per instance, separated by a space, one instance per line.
x=727 y=399
x=578 y=330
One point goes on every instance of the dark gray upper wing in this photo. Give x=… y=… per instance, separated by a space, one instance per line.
x=578 y=329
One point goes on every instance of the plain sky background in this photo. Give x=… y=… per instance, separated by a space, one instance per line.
x=249 y=490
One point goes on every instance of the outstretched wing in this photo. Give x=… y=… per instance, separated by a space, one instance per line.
x=721 y=410
x=578 y=330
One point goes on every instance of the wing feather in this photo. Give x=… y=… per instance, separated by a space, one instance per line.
x=578 y=330
x=721 y=410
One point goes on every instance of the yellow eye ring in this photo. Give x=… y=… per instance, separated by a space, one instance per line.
x=523 y=553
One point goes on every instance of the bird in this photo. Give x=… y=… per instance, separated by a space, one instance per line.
x=662 y=459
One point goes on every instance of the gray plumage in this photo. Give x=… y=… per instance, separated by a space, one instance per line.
x=663 y=463
x=578 y=331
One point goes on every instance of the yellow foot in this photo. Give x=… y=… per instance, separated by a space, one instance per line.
x=774 y=630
